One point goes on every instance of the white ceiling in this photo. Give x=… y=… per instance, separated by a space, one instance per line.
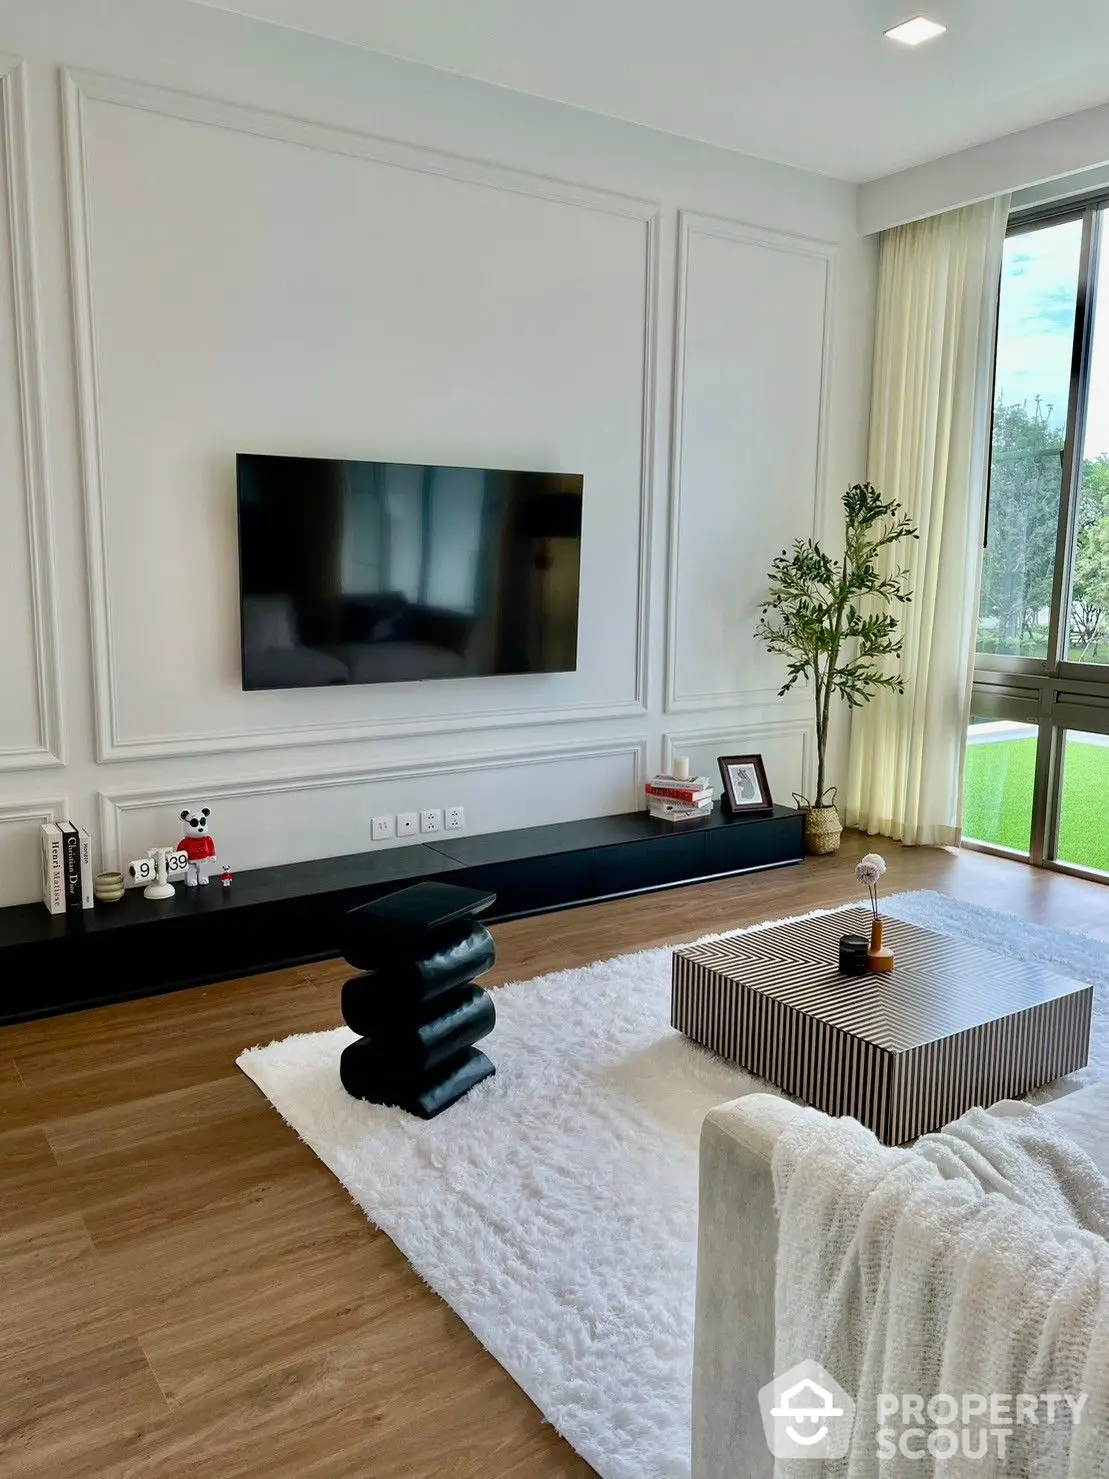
x=812 y=83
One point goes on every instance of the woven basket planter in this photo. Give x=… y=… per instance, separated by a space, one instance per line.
x=823 y=830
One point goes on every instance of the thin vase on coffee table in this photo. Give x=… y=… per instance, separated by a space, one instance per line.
x=878 y=957
x=869 y=871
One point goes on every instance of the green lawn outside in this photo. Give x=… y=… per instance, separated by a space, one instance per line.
x=1034 y=644
x=998 y=797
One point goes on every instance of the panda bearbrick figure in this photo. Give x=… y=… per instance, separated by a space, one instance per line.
x=199 y=844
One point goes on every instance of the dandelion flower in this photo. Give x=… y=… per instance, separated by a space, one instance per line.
x=869 y=871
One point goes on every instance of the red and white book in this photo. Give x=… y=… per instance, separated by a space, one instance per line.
x=691 y=792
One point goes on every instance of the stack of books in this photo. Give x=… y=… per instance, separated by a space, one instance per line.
x=66 y=868
x=673 y=800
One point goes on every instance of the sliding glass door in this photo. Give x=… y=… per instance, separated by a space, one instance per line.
x=1037 y=773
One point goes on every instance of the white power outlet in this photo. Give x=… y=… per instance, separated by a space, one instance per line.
x=382 y=829
x=407 y=823
x=432 y=820
x=454 y=818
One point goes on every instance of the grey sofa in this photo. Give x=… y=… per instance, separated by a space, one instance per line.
x=738 y=1234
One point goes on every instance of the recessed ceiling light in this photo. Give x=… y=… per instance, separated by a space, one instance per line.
x=912 y=33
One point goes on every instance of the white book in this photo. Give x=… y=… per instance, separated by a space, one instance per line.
x=674 y=811
x=53 y=868
x=87 y=900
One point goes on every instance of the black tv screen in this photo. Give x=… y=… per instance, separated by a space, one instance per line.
x=389 y=572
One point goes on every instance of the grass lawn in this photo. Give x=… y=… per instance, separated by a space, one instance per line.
x=998 y=793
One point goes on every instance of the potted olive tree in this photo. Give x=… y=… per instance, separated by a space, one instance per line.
x=830 y=619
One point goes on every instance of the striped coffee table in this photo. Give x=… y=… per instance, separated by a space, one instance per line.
x=954 y=1025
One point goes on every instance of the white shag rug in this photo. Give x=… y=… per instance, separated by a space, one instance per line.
x=555 y=1208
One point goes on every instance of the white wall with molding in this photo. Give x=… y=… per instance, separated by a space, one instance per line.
x=220 y=236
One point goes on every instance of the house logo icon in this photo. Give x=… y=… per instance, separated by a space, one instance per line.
x=807 y=1414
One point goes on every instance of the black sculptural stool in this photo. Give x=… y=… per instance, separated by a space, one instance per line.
x=415 y=1004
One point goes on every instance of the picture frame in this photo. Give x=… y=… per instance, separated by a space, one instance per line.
x=746 y=788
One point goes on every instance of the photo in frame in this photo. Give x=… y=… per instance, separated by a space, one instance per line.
x=746 y=788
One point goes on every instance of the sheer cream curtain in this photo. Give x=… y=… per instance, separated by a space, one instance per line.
x=929 y=448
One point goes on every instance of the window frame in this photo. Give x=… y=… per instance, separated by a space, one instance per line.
x=1052 y=692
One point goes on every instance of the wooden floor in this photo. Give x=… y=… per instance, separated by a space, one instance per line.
x=186 y=1291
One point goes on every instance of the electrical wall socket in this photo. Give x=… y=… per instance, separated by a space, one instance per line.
x=432 y=819
x=454 y=818
x=407 y=823
x=382 y=828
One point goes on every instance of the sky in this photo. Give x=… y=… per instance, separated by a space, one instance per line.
x=1036 y=327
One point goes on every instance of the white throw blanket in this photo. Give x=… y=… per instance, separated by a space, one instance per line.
x=976 y=1263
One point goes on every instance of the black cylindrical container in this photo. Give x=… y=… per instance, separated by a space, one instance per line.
x=853 y=950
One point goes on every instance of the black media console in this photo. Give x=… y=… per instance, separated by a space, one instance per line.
x=274 y=917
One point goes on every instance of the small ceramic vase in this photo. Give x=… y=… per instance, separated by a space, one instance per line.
x=108 y=888
x=879 y=958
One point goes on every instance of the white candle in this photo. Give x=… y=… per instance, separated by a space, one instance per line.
x=682 y=771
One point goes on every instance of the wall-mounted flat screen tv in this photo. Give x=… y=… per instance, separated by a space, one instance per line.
x=390 y=572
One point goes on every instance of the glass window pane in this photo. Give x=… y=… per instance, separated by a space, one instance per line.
x=1083 y=833
x=1039 y=292
x=998 y=784
x=1088 y=619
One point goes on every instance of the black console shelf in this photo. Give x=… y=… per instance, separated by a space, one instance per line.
x=273 y=917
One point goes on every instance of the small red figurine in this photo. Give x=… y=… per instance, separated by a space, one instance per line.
x=199 y=844
x=226 y=877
